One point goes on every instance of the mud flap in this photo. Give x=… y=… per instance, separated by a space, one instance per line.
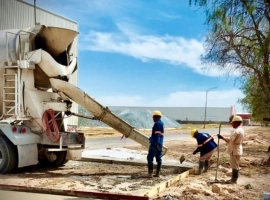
x=75 y=154
x=27 y=155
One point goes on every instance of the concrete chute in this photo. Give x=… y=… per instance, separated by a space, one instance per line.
x=100 y=112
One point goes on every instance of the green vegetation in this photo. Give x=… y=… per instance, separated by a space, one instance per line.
x=238 y=43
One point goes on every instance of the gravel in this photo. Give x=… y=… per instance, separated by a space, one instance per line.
x=138 y=119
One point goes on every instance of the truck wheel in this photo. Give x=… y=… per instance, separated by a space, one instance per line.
x=8 y=155
x=60 y=160
x=64 y=162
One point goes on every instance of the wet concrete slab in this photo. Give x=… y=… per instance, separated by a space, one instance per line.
x=127 y=156
x=117 y=170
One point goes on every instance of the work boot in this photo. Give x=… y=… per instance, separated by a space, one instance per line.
x=150 y=175
x=233 y=180
x=206 y=166
x=150 y=170
x=158 y=170
x=201 y=165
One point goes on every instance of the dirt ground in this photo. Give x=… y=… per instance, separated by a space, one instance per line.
x=253 y=180
x=88 y=176
x=254 y=173
x=108 y=132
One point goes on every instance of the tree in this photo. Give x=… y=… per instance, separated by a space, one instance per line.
x=255 y=99
x=239 y=42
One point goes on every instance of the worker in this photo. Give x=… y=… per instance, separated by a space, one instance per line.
x=156 y=143
x=206 y=147
x=234 y=146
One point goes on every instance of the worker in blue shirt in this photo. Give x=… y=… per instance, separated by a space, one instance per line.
x=206 y=147
x=156 y=143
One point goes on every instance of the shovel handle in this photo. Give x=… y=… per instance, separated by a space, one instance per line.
x=219 y=128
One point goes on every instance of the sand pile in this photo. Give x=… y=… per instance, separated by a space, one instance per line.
x=137 y=119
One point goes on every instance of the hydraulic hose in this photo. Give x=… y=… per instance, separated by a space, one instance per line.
x=51 y=125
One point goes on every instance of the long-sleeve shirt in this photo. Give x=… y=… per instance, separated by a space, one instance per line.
x=235 y=142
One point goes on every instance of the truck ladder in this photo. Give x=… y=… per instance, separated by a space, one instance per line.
x=11 y=96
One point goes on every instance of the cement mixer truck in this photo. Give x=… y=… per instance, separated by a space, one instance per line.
x=37 y=97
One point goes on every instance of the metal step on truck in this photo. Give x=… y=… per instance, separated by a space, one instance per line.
x=37 y=97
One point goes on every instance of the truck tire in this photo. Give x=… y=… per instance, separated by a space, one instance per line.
x=64 y=162
x=60 y=160
x=8 y=155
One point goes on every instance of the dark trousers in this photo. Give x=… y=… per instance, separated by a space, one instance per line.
x=154 y=151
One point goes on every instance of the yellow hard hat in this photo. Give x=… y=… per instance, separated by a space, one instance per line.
x=158 y=113
x=192 y=132
x=237 y=119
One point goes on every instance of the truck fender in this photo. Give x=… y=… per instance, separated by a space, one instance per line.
x=19 y=135
x=26 y=142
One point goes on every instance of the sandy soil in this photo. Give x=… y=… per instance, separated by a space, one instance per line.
x=90 y=132
x=253 y=181
x=88 y=176
x=254 y=174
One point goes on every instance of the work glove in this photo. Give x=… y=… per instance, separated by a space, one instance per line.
x=220 y=136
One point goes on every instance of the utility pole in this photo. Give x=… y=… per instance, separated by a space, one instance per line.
x=35 y=15
x=206 y=104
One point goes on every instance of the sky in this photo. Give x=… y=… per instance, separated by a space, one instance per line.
x=145 y=53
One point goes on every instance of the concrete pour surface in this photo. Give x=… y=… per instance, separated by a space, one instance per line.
x=128 y=156
x=103 y=170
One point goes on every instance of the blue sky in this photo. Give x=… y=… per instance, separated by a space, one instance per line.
x=144 y=53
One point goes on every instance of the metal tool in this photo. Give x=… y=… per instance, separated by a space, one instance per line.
x=183 y=158
x=217 y=181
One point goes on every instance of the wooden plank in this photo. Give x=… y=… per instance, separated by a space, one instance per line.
x=75 y=193
x=160 y=187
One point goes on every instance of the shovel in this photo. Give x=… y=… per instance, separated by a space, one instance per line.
x=183 y=158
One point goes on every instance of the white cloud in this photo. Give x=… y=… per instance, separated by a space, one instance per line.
x=131 y=39
x=166 y=48
x=224 y=98
x=169 y=16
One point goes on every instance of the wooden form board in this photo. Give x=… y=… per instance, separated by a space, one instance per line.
x=160 y=187
x=74 y=193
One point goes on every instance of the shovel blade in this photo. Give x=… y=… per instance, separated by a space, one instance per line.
x=182 y=159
